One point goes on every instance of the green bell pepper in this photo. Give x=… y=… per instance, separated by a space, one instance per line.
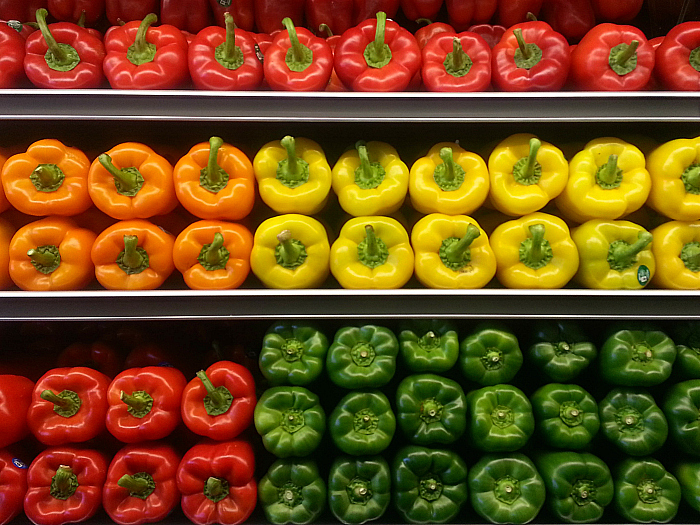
x=429 y=485
x=682 y=408
x=292 y=354
x=490 y=355
x=579 y=485
x=631 y=419
x=292 y=491
x=687 y=337
x=566 y=416
x=637 y=358
x=561 y=350
x=290 y=420
x=645 y=492
x=431 y=409
x=362 y=357
x=359 y=489
x=362 y=423
x=506 y=488
x=501 y=418
x=429 y=345
x=688 y=475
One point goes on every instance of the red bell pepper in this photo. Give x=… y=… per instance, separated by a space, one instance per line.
x=11 y=57
x=677 y=64
x=491 y=33
x=24 y=29
x=96 y=355
x=334 y=84
x=143 y=57
x=337 y=15
x=612 y=57
x=242 y=11
x=270 y=13
x=366 y=9
x=298 y=60
x=63 y=56
x=144 y=403
x=73 y=10
x=224 y=59
x=140 y=485
x=425 y=33
x=217 y=482
x=187 y=15
x=65 y=485
x=68 y=406
x=15 y=398
x=417 y=9
x=618 y=12
x=119 y=11
x=457 y=63
x=13 y=486
x=219 y=403
x=22 y=10
x=463 y=13
x=511 y=12
x=571 y=19
x=530 y=57
x=377 y=55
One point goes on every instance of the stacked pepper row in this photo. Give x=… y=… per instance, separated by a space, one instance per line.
x=428 y=480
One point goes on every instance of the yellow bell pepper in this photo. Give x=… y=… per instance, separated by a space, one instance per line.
x=452 y=251
x=448 y=180
x=608 y=179
x=290 y=251
x=676 y=250
x=372 y=253
x=293 y=175
x=675 y=179
x=534 y=251
x=525 y=174
x=615 y=255
x=370 y=179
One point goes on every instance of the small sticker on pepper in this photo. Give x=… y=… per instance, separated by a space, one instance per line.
x=19 y=463
x=643 y=275
x=224 y=3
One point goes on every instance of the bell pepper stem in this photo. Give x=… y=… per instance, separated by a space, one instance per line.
x=132 y=401
x=215 y=395
x=57 y=51
x=325 y=28
x=458 y=55
x=230 y=42
x=213 y=254
x=48 y=395
x=43 y=258
x=132 y=257
x=297 y=47
x=378 y=53
x=140 y=45
x=64 y=479
x=537 y=232
x=380 y=33
x=628 y=53
x=290 y=252
x=372 y=244
x=135 y=485
x=294 y=171
x=532 y=157
x=624 y=253
x=448 y=160
x=127 y=179
x=216 y=489
x=608 y=173
x=213 y=170
x=455 y=253
x=690 y=255
x=521 y=43
x=365 y=164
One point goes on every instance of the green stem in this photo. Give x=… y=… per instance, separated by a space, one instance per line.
x=142 y=51
x=64 y=483
x=132 y=257
x=535 y=251
x=368 y=175
x=455 y=252
x=213 y=176
x=139 y=402
x=128 y=181
x=230 y=42
x=298 y=57
x=44 y=258
x=212 y=391
x=521 y=43
x=527 y=171
x=608 y=172
x=216 y=489
x=58 y=52
x=377 y=53
x=372 y=251
x=622 y=255
x=48 y=395
x=297 y=47
x=289 y=250
x=532 y=158
x=629 y=51
x=214 y=256
x=140 y=485
x=450 y=166
x=66 y=404
x=293 y=167
x=325 y=28
x=690 y=255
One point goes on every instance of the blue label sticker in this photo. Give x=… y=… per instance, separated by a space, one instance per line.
x=19 y=463
x=643 y=275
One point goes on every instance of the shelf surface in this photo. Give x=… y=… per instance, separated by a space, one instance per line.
x=192 y=105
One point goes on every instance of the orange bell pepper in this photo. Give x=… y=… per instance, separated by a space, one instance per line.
x=213 y=255
x=4 y=203
x=51 y=254
x=131 y=181
x=215 y=180
x=6 y=233
x=50 y=178
x=133 y=255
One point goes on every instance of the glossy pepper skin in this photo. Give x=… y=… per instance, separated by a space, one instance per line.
x=608 y=179
x=448 y=180
x=140 y=485
x=428 y=345
x=631 y=419
x=431 y=409
x=63 y=56
x=144 y=403
x=531 y=56
x=425 y=33
x=293 y=175
x=645 y=492
x=613 y=255
x=579 y=485
x=189 y=15
x=292 y=353
x=688 y=475
x=566 y=416
x=461 y=14
x=362 y=356
x=359 y=489
x=12 y=58
x=73 y=10
x=51 y=254
x=128 y=10
x=682 y=408
x=292 y=491
x=65 y=485
x=506 y=488
x=290 y=420
x=48 y=179
x=377 y=55
x=133 y=255
x=571 y=19
x=417 y=9
x=21 y=11
x=561 y=350
x=687 y=364
x=490 y=355
x=362 y=423
x=219 y=403
x=270 y=13
x=372 y=252
x=534 y=251
x=15 y=398
x=242 y=12
x=290 y=251
x=637 y=358
x=428 y=485
x=511 y=13
x=501 y=418
x=13 y=486
x=140 y=56
x=612 y=57
x=98 y=355
x=676 y=61
x=370 y=179
x=336 y=14
x=459 y=62
x=675 y=251
x=217 y=483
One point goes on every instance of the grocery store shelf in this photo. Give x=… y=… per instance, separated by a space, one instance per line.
x=192 y=105
x=333 y=303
